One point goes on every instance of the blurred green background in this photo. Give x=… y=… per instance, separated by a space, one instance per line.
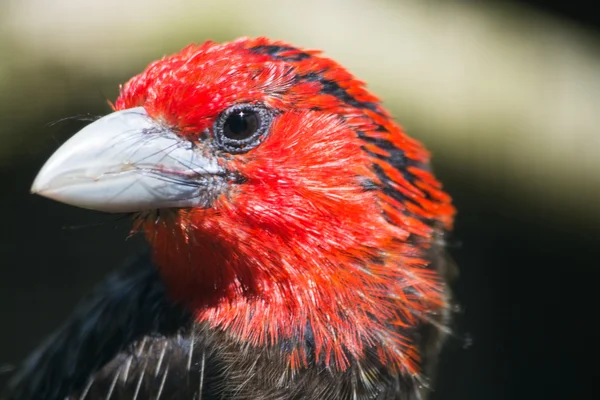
x=506 y=95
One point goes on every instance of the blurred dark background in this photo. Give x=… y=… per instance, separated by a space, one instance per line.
x=505 y=94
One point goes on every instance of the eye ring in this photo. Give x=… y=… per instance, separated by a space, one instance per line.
x=241 y=127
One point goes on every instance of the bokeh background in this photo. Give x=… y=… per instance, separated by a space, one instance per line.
x=505 y=94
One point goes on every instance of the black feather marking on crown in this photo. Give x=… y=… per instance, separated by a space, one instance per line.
x=279 y=52
x=332 y=88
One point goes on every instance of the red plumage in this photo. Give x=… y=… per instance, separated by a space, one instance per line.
x=296 y=229
x=289 y=246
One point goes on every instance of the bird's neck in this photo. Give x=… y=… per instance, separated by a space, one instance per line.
x=349 y=285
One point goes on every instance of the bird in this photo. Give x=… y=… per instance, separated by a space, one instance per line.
x=296 y=238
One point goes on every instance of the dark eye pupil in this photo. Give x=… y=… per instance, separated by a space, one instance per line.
x=241 y=125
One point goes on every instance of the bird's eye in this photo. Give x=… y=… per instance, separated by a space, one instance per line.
x=241 y=127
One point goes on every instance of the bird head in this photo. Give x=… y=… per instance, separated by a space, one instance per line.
x=278 y=197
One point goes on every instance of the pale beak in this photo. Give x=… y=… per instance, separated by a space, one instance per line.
x=126 y=162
